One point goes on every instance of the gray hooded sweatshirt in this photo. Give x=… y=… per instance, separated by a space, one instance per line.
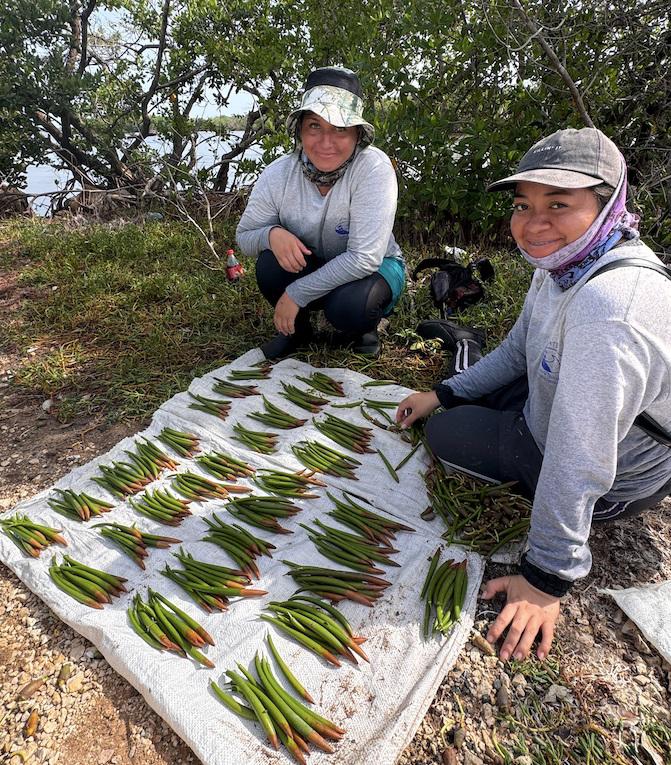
x=596 y=355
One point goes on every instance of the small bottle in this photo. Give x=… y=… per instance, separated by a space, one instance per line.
x=234 y=269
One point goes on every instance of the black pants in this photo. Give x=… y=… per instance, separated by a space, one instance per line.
x=489 y=438
x=353 y=308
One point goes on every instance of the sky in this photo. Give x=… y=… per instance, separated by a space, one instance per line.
x=239 y=103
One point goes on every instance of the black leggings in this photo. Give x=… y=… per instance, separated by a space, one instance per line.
x=353 y=308
x=489 y=438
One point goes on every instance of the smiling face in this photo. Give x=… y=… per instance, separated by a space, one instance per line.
x=326 y=145
x=546 y=218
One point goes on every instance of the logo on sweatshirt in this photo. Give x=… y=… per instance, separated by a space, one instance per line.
x=550 y=362
x=342 y=229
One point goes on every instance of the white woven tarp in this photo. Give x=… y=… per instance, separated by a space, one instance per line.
x=380 y=704
x=649 y=607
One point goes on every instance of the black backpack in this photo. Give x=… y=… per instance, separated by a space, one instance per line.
x=454 y=287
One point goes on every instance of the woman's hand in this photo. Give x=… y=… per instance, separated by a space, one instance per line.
x=288 y=249
x=527 y=612
x=416 y=406
x=285 y=315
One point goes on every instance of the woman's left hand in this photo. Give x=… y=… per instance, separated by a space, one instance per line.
x=527 y=612
x=285 y=315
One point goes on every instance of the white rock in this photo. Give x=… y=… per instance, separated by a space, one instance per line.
x=640 y=666
x=76 y=682
x=77 y=650
x=557 y=693
x=471 y=759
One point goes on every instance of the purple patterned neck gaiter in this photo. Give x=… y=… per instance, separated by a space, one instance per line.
x=613 y=217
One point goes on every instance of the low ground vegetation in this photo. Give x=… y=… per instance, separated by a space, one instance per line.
x=121 y=317
x=101 y=324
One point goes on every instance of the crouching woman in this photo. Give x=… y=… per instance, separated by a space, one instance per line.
x=575 y=404
x=319 y=221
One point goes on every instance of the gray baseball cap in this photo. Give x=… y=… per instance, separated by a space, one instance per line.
x=570 y=159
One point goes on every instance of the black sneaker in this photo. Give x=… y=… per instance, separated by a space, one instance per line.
x=450 y=333
x=367 y=344
x=281 y=345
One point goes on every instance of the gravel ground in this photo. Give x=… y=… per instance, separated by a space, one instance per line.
x=86 y=714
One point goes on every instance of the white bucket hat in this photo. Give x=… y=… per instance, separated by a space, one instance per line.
x=334 y=94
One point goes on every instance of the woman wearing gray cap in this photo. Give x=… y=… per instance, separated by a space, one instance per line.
x=575 y=404
x=319 y=221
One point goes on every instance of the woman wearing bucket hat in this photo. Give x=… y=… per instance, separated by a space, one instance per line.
x=574 y=404
x=319 y=221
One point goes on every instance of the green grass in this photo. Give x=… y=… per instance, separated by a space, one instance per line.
x=122 y=317
x=576 y=730
x=569 y=732
x=541 y=674
x=116 y=319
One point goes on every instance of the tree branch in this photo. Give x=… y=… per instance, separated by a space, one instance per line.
x=195 y=95
x=75 y=36
x=162 y=43
x=183 y=78
x=77 y=159
x=119 y=167
x=83 y=62
x=143 y=131
x=556 y=63
x=249 y=137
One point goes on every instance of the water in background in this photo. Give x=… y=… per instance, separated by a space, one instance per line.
x=43 y=179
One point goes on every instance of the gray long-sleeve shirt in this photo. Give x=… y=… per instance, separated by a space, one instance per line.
x=349 y=229
x=596 y=355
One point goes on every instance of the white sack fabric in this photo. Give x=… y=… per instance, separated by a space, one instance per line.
x=379 y=704
x=649 y=607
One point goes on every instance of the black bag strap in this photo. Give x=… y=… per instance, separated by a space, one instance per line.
x=639 y=262
x=653 y=429
x=483 y=266
x=643 y=421
x=442 y=263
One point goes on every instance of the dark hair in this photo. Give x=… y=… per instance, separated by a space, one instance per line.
x=603 y=192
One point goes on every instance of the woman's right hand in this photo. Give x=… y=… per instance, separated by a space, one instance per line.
x=288 y=249
x=415 y=406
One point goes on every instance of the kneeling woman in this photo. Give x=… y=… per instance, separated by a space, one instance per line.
x=319 y=221
x=574 y=404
